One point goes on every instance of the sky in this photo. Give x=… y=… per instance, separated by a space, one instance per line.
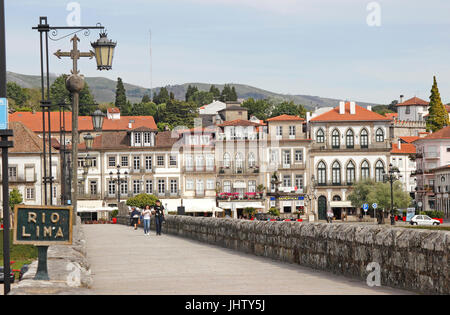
x=371 y=51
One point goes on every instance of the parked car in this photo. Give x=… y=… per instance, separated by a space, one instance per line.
x=2 y=276
x=423 y=220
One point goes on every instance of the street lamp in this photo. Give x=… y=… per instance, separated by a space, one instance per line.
x=89 y=141
x=119 y=180
x=104 y=52
x=97 y=120
x=392 y=176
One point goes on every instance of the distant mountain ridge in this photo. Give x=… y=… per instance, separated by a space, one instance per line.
x=104 y=91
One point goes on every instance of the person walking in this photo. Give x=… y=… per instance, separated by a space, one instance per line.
x=159 y=216
x=135 y=214
x=147 y=213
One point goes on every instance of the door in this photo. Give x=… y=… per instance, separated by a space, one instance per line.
x=322 y=206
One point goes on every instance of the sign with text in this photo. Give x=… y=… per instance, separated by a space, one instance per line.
x=43 y=225
x=3 y=113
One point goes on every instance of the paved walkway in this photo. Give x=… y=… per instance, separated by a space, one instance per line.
x=125 y=261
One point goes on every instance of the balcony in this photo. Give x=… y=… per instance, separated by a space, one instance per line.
x=85 y=196
x=200 y=169
x=23 y=179
x=343 y=147
x=239 y=196
x=335 y=184
x=431 y=155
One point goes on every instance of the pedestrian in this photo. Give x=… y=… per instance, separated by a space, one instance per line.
x=330 y=217
x=135 y=214
x=147 y=213
x=159 y=216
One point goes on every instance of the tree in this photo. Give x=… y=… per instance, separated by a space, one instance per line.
x=190 y=92
x=146 y=99
x=178 y=113
x=87 y=101
x=142 y=200
x=201 y=98
x=228 y=94
x=259 y=108
x=438 y=116
x=16 y=93
x=360 y=193
x=214 y=91
x=381 y=195
x=121 y=98
x=144 y=109
x=15 y=198
x=274 y=212
x=288 y=108
x=60 y=95
x=162 y=97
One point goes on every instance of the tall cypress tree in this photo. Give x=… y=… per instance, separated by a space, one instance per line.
x=438 y=116
x=215 y=92
x=121 y=98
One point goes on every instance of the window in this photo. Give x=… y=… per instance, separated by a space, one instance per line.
x=200 y=187
x=239 y=161
x=320 y=137
x=111 y=161
x=93 y=187
x=380 y=135
x=173 y=186
x=149 y=187
x=322 y=174
x=365 y=170
x=161 y=186
x=147 y=138
x=30 y=193
x=199 y=162
x=160 y=160
x=299 y=181
x=210 y=162
x=124 y=188
x=226 y=160
x=364 y=139
x=173 y=160
x=137 y=138
x=287 y=158
x=251 y=160
x=227 y=186
x=379 y=171
x=287 y=181
x=136 y=187
x=111 y=187
x=279 y=131
x=298 y=156
x=335 y=139
x=350 y=173
x=189 y=184
x=292 y=130
x=252 y=186
x=336 y=173
x=189 y=162
x=148 y=162
x=350 y=139
x=12 y=173
x=274 y=156
x=407 y=110
x=124 y=161
x=137 y=162
x=210 y=184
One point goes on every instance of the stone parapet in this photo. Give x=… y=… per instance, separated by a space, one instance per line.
x=410 y=259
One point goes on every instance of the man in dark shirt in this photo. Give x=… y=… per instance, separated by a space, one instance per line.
x=159 y=216
x=135 y=214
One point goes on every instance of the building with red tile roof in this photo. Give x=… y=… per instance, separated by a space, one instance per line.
x=286 y=118
x=349 y=112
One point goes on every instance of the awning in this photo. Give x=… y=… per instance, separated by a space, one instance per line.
x=199 y=205
x=240 y=205
x=92 y=206
x=341 y=204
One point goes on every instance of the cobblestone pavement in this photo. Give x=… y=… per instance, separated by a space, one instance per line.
x=125 y=261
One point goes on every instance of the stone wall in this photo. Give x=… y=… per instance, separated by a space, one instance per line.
x=68 y=269
x=416 y=260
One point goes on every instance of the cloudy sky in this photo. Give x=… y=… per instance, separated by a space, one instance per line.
x=322 y=47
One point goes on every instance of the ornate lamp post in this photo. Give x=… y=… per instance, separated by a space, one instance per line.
x=392 y=176
x=119 y=180
x=97 y=120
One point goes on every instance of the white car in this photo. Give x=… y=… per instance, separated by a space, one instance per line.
x=423 y=220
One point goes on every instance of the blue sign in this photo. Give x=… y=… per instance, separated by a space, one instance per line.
x=366 y=206
x=3 y=113
x=301 y=198
x=374 y=206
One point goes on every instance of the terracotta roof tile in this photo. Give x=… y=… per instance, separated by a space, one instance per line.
x=239 y=122
x=414 y=101
x=444 y=133
x=406 y=148
x=286 y=118
x=409 y=139
x=361 y=114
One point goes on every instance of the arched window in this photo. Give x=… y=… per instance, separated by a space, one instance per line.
x=350 y=173
x=335 y=139
x=322 y=174
x=226 y=160
x=336 y=172
x=239 y=161
x=251 y=160
x=350 y=139
x=337 y=198
x=365 y=170
x=379 y=171
x=320 y=136
x=364 y=139
x=380 y=135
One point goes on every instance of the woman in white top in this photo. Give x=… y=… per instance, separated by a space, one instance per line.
x=147 y=213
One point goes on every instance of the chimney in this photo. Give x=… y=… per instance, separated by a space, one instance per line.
x=308 y=116
x=342 y=108
x=369 y=108
x=352 y=108
x=399 y=144
x=401 y=98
